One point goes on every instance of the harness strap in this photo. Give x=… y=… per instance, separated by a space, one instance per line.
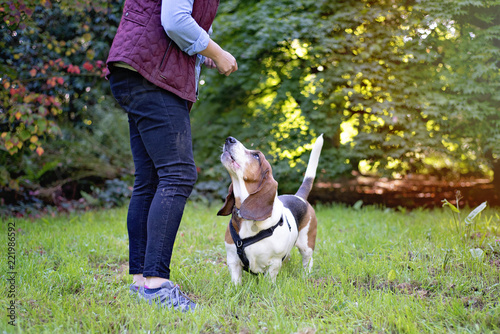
x=241 y=244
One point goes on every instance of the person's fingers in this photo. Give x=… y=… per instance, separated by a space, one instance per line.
x=210 y=63
x=226 y=64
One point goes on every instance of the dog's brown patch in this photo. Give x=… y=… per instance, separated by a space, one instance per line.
x=236 y=221
x=311 y=221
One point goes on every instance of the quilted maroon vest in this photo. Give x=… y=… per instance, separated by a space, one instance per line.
x=142 y=43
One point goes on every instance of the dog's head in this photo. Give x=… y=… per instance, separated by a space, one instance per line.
x=253 y=188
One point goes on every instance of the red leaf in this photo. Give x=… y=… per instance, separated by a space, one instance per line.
x=51 y=82
x=73 y=69
x=88 y=66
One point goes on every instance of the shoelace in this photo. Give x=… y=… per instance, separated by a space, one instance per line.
x=180 y=299
x=176 y=298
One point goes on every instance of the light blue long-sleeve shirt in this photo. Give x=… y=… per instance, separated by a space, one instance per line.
x=181 y=27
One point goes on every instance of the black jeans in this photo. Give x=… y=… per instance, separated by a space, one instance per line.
x=165 y=172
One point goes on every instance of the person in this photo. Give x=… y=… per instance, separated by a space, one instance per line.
x=153 y=68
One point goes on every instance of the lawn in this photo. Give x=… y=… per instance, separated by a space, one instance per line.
x=375 y=270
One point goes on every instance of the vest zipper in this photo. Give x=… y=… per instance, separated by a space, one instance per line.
x=164 y=58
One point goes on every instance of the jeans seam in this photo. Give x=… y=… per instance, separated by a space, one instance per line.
x=162 y=242
x=161 y=247
x=145 y=236
x=141 y=241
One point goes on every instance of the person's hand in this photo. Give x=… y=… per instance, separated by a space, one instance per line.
x=226 y=63
x=209 y=63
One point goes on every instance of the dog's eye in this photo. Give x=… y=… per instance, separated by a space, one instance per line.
x=256 y=156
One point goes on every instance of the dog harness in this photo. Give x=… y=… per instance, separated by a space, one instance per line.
x=241 y=244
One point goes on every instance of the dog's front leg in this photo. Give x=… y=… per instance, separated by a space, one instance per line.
x=234 y=264
x=236 y=271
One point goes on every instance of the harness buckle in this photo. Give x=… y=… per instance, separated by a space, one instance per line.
x=239 y=243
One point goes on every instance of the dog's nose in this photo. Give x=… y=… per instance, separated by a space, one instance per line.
x=230 y=140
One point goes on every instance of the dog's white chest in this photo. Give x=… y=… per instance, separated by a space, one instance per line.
x=271 y=251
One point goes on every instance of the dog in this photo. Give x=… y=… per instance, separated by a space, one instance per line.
x=264 y=227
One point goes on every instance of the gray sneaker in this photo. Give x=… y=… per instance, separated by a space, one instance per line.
x=134 y=289
x=170 y=296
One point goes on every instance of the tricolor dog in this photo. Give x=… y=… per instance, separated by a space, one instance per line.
x=264 y=227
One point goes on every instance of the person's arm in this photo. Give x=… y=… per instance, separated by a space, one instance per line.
x=177 y=20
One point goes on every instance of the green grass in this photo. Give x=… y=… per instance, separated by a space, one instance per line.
x=375 y=270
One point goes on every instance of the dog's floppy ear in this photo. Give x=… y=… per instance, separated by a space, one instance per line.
x=227 y=208
x=259 y=204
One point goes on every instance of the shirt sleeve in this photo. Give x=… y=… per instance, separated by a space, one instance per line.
x=180 y=26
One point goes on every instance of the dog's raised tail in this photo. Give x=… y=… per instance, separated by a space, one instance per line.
x=307 y=183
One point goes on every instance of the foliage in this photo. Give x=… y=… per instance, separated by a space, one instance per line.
x=114 y=193
x=375 y=270
x=47 y=69
x=393 y=85
x=464 y=42
x=208 y=192
x=52 y=75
